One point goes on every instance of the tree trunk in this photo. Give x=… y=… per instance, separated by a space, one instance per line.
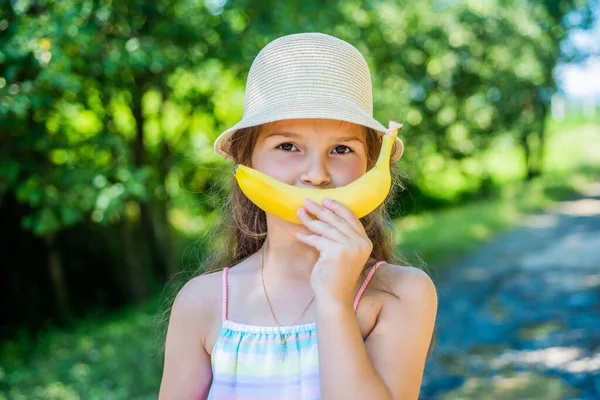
x=166 y=239
x=150 y=241
x=136 y=273
x=162 y=214
x=523 y=140
x=542 y=138
x=57 y=277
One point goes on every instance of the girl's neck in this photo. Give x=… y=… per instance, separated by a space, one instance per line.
x=288 y=259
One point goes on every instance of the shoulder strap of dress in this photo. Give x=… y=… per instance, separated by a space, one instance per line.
x=225 y=270
x=365 y=283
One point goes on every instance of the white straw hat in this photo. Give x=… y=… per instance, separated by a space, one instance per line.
x=307 y=75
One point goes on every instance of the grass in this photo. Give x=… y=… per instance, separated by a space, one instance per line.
x=440 y=238
x=115 y=357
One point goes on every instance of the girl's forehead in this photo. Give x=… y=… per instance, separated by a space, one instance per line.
x=311 y=126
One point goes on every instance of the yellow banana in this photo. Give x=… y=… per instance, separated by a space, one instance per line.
x=282 y=200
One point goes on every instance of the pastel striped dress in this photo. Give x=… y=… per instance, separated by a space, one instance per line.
x=247 y=363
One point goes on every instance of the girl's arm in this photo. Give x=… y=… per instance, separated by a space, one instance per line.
x=390 y=363
x=187 y=371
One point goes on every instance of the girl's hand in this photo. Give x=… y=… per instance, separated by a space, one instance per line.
x=343 y=245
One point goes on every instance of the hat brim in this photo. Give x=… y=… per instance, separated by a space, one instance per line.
x=306 y=108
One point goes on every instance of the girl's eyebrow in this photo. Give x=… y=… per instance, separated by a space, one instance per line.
x=296 y=136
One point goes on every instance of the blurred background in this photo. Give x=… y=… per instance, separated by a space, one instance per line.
x=108 y=179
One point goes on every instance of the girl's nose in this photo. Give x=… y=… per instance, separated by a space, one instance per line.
x=316 y=174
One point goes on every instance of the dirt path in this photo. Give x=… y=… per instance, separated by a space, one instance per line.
x=520 y=319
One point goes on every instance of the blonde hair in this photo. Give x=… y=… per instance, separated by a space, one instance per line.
x=242 y=229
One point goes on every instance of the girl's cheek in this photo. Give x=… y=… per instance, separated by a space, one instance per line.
x=282 y=170
x=351 y=172
x=277 y=163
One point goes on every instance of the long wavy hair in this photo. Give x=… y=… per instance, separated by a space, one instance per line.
x=242 y=227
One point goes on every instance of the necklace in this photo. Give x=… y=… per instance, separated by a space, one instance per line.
x=283 y=337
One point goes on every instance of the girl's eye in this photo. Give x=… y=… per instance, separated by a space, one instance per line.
x=337 y=147
x=283 y=144
x=350 y=150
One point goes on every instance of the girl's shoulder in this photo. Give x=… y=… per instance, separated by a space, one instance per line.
x=407 y=297
x=195 y=312
x=204 y=293
x=405 y=282
x=199 y=296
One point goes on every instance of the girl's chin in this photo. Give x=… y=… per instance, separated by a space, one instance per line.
x=294 y=226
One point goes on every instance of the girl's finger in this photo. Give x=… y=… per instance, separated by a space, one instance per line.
x=321 y=227
x=318 y=242
x=345 y=214
x=329 y=216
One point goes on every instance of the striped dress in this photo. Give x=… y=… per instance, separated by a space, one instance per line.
x=247 y=362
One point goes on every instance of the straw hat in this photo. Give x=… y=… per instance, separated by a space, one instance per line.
x=307 y=75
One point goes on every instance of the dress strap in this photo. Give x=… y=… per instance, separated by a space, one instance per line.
x=365 y=283
x=225 y=270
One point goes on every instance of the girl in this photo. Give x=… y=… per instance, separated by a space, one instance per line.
x=317 y=310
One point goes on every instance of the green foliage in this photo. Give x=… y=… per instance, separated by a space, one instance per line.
x=103 y=358
x=106 y=103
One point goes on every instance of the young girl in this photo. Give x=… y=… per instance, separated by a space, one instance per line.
x=317 y=310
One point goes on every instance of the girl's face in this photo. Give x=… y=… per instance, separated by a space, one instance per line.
x=312 y=153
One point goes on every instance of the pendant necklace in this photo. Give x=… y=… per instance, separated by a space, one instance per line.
x=282 y=337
